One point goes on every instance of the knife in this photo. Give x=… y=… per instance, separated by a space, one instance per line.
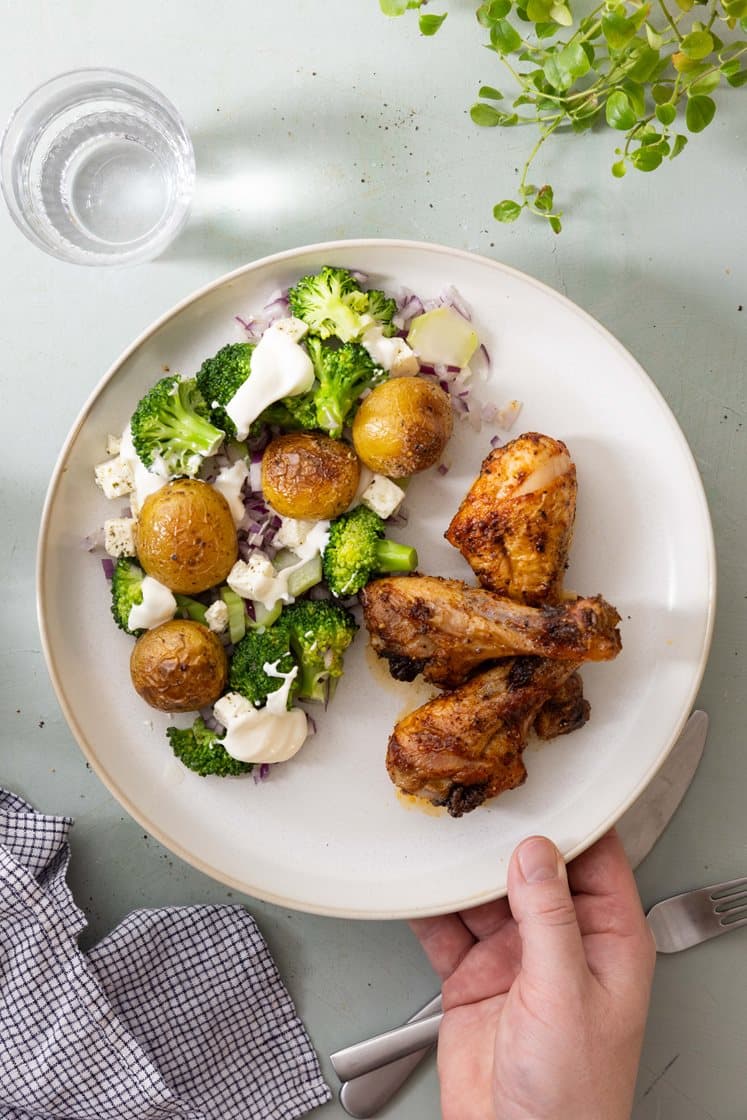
x=367 y=1083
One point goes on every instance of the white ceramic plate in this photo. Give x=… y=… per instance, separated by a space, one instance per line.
x=327 y=832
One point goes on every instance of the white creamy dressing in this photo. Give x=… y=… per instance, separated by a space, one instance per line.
x=158 y=605
x=145 y=480
x=392 y=354
x=280 y=367
x=259 y=580
x=269 y=734
x=229 y=483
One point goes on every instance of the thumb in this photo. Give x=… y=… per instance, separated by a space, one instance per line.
x=551 y=948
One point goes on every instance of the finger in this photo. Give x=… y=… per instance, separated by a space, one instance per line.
x=540 y=899
x=489 y=969
x=609 y=900
x=445 y=939
x=483 y=921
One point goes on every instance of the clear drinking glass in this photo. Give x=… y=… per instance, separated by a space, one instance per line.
x=97 y=168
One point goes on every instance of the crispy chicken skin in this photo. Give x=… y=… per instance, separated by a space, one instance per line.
x=565 y=711
x=446 y=630
x=466 y=746
x=515 y=525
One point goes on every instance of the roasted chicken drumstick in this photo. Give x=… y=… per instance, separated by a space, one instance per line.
x=514 y=528
x=515 y=525
x=445 y=630
x=465 y=746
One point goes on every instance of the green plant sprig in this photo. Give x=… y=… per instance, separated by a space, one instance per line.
x=636 y=66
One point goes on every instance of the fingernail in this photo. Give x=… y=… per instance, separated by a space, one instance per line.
x=538 y=860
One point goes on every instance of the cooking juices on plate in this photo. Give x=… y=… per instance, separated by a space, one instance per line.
x=259 y=492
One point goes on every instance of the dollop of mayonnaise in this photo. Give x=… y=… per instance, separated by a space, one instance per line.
x=269 y=734
x=230 y=482
x=280 y=367
x=392 y=354
x=158 y=605
x=145 y=481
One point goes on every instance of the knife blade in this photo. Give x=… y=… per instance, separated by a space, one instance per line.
x=643 y=823
x=639 y=829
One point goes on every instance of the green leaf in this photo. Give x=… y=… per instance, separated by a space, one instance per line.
x=395 y=7
x=707 y=84
x=646 y=159
x=665 y=113
x=507 y=211
x=655 y=40
x=504 y=37
x=487 y=116
x=619 y=168
x=490 y=12
x=619 y=111
x=429 y=25
x=544 y=199
x=562 y=68
x=685 y=5
x=645 y=61
x=680 y=143
x=700 y=112
x=637 y=96
x=555 y=225
x=661 y=93
x=561 y=14
x=538 y=11
x=545 y=30
x=619 y=29
x=735 y=8
x=738 y=79
x=732 y=49
x=697 y=45
x=491 y=92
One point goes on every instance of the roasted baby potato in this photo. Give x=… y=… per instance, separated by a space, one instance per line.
x=179 y=666
x=309 y=476
x=403 y=426
x=185 y=536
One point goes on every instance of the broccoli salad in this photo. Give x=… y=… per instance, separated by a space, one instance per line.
x=261 y=492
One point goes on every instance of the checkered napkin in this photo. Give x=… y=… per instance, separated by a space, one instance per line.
x=179 y=1012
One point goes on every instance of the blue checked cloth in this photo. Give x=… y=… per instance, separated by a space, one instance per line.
x=179 y=1012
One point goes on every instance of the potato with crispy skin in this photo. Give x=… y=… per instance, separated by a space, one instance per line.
x=403 y=426
x=186 y=537
x=307 y=475
x=179 y=666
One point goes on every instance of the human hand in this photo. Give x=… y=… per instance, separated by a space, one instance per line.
x=546 y=992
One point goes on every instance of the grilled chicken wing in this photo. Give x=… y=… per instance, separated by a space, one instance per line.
x=515 y=524
x=466 y=746
x=565 y=711
x=444 y=629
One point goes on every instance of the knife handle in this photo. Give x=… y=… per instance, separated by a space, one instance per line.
x=365 y=1095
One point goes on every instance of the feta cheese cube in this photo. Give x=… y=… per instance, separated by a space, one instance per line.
x=119 y=536
x=382 y=496
x=113 y=444
x=114 y=477
x=292 y=533
x=254 y=578
x=216 y=617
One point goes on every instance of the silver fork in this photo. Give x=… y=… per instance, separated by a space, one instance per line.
x=687 y=919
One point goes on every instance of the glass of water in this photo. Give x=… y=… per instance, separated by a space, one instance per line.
x=97 y=168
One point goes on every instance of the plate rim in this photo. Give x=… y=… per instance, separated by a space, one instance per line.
x=42 y=558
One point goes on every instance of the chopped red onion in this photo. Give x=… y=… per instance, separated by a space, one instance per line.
x=495 y=441
x=208 y=718
x=442 y=469
x=358 y=276
x=108 y=565
x=262 y=772
x=94 y=540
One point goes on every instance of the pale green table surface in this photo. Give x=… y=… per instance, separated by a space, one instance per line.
x=320 y=119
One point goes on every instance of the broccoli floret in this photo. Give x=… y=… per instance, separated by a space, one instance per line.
x=291 y=413
x=127 y=591
x=201 y=750
x=381 y=308
x=343 y=373
x=320 y=632
x=220 y=377
x=331 y=303
x=172 y=423
x=255 y=650
x=357 y=548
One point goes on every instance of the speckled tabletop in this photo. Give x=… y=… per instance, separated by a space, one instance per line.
x=319 y=121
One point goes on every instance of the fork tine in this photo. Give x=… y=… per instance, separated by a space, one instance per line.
x=734 y=924
x=723 y=890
